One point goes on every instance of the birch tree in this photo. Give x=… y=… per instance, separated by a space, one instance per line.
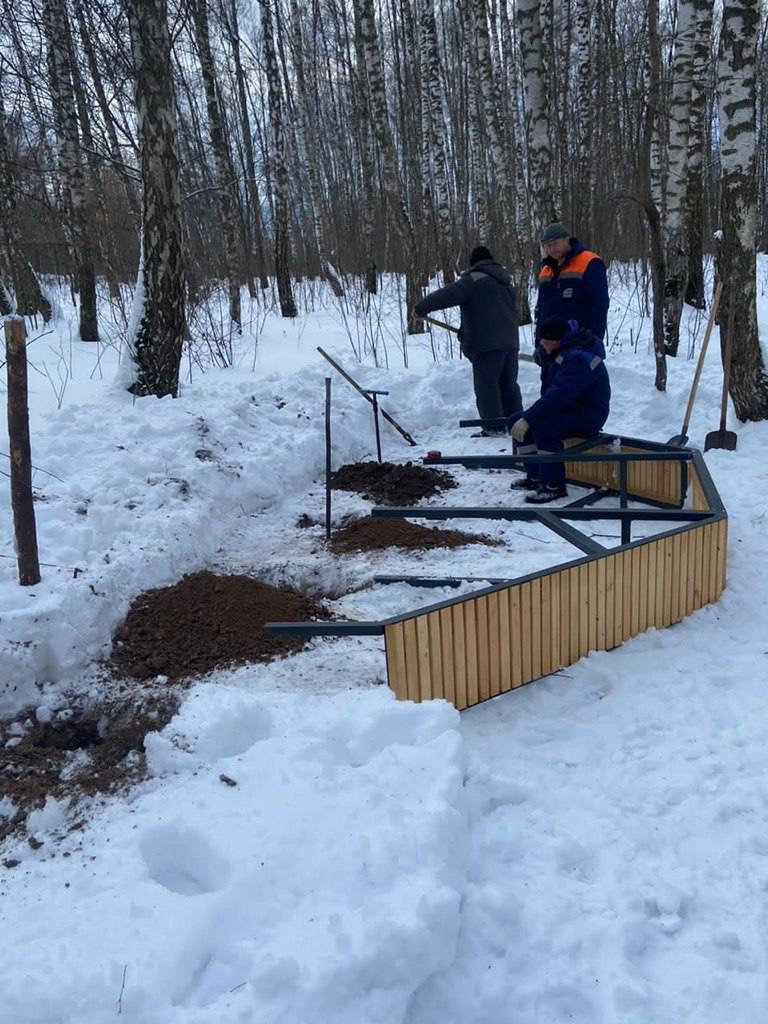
x=540 y=183
x=434 y=135
x=279 y=167
x=697 y=164
x=225 y=193
x=676 y=256
x=159 y=334
x=738 y=205
x=56 y=26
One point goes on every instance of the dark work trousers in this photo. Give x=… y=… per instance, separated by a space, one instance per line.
x=497 y=392
x=548 y=436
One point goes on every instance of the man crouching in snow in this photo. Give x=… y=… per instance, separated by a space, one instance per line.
x=575 y=396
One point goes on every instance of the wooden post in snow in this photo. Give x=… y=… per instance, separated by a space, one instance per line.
x=21 y=456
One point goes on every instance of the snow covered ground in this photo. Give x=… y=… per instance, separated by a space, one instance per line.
x=591 y=848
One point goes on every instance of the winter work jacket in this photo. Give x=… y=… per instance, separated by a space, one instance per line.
x=486 y=296
x=574 y=380
x=577 y=289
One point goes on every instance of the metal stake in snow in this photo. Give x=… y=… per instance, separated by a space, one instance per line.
x=327 y=458
x=21 y=456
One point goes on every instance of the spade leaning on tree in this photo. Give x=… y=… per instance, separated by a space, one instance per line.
x=489 y=338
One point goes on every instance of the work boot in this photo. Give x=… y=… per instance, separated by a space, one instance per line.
x=525 y=483
x=546 y=493
x=490 y=433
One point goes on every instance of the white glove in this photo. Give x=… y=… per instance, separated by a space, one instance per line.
x=520 y=429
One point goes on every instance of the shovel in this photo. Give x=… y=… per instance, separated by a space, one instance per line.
x=681 y=439
x=723 y=438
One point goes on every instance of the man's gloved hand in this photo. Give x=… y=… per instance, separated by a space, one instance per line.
x=520 y=429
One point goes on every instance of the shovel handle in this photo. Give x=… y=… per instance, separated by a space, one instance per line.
x=702 y=354
x=727 y=363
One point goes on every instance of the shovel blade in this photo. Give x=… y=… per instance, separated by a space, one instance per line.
x=726 y=439
x=679 y=440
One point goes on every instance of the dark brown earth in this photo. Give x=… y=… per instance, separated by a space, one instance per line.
x=370 y=533
x=89 y=749
x=391 y=483
x=205 y=622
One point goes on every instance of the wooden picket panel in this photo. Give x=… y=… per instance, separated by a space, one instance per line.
x=484 y=646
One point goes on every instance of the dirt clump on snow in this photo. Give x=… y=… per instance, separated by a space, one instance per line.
x=76 y=752
x=369 y=533
x=204 y=622
x=392 y=483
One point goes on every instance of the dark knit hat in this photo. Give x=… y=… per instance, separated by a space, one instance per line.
x=480 y=252
x=554 y=231
x=554 y=328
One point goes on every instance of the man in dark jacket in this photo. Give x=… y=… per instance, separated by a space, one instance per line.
x=574 y=402
x=488 y=334
x=572 y=282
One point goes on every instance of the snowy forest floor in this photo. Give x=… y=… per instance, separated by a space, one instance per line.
x=296 y=845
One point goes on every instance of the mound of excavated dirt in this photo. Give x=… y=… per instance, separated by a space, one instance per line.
x=79 y=752
x=205 y=622
x=391 y=483
x=373 y=534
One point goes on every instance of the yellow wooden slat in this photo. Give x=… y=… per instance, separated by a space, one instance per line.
x=545 y=625
x=674 y=581
x=425 y=669
x=645 y=583
x=459 y=655
x=394 y=644
x=505 y=646
x=515 y=631
x=435 y=655
x=618 y=604
x=610 y=601
x=722 y=549
x=535 y=633
x=412 y=659
x=483 y=649
x=583 y=611
x=592 y=607
x=470 y=641
x=668 y=581
x=601 y=613
x=494 y=645
x=525 y=632
x=555 y=620
x=634 y=606
x=446 y=647
x=564 y=614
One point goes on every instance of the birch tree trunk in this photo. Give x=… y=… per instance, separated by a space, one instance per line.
x=541 y=186
x=586 y=109
x=676 y=269
x=434 y=139
x=738 y=205
x=361 y=110
x=309 y=149
x=160 y=330
x=280 y=170
x=697 y=167
x=56 y=27
x=382 y=131
x=224 y=172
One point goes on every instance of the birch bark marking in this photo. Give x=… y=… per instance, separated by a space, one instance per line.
x=738 y=204
x=434 y=139
x=56 y=27
x=224 y=171
x=697 y=168
x=676 y=270
x=160 y=330
x=536 y=114
x=309 y=149
x=280 y=175
x=22 y=500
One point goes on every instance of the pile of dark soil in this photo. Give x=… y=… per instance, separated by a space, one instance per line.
x=205 y=622
x=372 y=534
x=391 y=483
x=80 y=752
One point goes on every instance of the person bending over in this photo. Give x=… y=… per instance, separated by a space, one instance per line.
x=574 y=402
x=488 y=333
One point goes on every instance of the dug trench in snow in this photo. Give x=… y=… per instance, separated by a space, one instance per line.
x=205 y=622
x=390 y=483
x=81 y=750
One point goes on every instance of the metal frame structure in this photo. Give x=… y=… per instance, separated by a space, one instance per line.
x=558 y=519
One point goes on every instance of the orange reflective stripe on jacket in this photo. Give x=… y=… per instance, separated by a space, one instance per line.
x=575 y=268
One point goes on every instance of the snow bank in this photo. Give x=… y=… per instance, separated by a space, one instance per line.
x=296 y=860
